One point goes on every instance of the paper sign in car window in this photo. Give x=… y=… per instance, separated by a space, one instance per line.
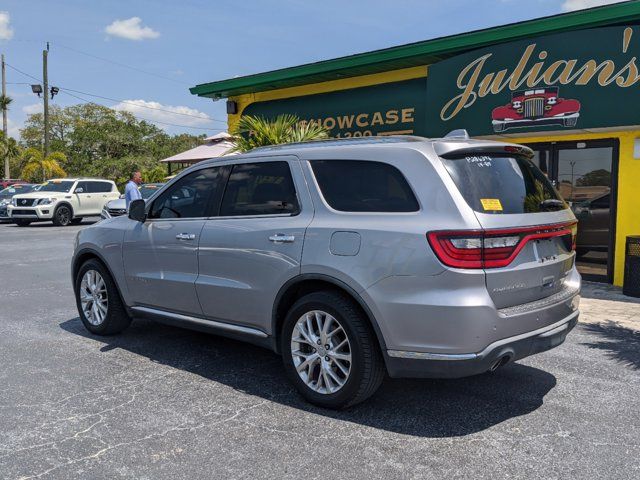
x=491 y=204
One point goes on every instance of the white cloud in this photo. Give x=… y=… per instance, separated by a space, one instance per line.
x=157 y=112
x=6 y=32
x=13 y=129
x=570 y=5
x=131 y=29
x=34 y=108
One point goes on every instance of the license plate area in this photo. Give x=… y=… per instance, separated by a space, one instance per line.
x=547 y=250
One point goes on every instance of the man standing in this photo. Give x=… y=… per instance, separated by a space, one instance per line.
x=131 y=191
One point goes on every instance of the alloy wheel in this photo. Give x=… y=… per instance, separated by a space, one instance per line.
x=64 y=215
x=93 y=297
x=321 y=352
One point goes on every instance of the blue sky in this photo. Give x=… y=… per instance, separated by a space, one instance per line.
x=181 y=44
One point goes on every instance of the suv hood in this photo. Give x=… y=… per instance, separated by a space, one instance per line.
x=43 y=195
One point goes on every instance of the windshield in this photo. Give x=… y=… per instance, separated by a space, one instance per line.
x=147 y=190
x=57 y=186
x=15 y=190
x=503 y=184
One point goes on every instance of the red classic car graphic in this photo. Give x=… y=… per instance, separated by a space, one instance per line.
x=536 y=107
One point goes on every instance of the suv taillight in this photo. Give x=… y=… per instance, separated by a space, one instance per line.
x=493 y=248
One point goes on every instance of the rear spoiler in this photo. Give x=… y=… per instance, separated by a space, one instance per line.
x=461 y=149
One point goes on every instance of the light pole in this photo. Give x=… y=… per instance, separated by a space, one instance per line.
x=44 y=89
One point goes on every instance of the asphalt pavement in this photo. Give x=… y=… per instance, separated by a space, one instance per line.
x=158 y=402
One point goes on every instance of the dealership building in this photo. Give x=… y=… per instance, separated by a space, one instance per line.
x=568 y=86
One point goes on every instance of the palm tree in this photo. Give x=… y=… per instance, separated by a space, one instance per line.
x=252 y=132
x=9 y=149
x=39 y=168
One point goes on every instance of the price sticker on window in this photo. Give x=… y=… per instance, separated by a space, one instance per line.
x=493 y=204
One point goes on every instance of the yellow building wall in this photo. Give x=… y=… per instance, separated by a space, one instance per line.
x=628 y=211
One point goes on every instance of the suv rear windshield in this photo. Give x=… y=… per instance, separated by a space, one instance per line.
x=364 y=186
x=503 y=184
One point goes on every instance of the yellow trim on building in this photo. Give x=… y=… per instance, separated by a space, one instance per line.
x=628 y=204
x=324 y=87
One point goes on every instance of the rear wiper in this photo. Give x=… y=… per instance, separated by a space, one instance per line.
x=551 y=204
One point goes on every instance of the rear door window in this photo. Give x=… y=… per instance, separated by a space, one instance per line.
x=99 y=187
x=364 y=186
x=264 y=188
x=503 y=184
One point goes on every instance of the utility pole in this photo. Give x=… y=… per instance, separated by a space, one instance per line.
x=4 y=118
x=45 y=80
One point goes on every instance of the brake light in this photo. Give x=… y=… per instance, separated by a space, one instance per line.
x=492 y=248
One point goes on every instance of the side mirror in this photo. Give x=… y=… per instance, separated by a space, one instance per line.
x=79 y=190
x=137 y=210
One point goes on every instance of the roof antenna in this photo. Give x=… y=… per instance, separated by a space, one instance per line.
x=460 y=133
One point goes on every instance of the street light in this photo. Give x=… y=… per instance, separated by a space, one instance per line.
x=54 y=91
x=37 y=89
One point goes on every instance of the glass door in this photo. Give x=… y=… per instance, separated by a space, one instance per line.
x=584 y=173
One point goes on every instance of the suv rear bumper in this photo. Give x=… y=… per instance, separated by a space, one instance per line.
x=437 y=365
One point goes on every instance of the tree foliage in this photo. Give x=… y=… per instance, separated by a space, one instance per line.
x=99 y=141
x=9 y=149
x=252 y=132
x=38 y=168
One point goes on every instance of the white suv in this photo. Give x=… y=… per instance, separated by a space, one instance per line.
x=64 y=201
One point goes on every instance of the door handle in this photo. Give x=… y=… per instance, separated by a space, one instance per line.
x=186 y=236
x=281 y=238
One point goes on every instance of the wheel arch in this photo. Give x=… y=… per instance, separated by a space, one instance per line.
x=66 y=204
x=299 y=286
x=83 y=256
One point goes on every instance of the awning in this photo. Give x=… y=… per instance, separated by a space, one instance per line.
x=214 y=147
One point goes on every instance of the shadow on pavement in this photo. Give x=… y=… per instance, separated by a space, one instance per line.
x=603 y=291
x=425 y=408
x=621 y=344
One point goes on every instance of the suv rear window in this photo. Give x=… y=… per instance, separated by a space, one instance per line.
x=503 y=184
x=364 y=186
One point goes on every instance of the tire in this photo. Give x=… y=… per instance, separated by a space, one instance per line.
x=366 y=368
x=62 y=216
x=116 y=319
x=23 y=223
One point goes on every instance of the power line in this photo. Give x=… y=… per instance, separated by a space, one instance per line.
x=67 y=90
x=84 y=100
x=23 y=73
x=121 y=64
x=144 y=106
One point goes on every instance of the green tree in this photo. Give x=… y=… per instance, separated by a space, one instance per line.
x=595 y=178
x=9 y=151
x=252 y=132
x=99 y=141
x=5 y=101
x=38 y=168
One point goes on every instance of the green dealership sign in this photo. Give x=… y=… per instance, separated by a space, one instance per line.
x=574 y=80
x=386 y=109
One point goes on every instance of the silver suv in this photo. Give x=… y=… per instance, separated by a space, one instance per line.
x=350 y=258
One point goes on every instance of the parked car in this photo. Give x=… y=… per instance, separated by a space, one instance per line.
x=7 y=194
x=595 y=222
x=63 y=201
x=421 y=258
x=118 y=207
x=540 y=106
x=7 y=182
